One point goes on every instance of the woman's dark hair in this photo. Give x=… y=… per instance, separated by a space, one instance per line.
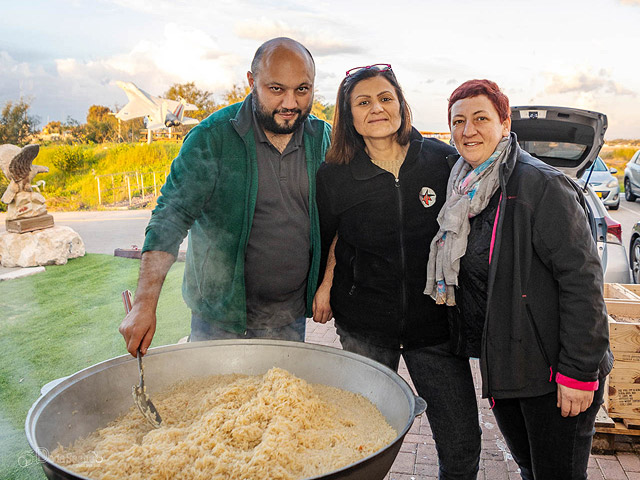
x=473 y=88
x=345 y=140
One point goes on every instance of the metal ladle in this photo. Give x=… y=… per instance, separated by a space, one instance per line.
x=140 y=397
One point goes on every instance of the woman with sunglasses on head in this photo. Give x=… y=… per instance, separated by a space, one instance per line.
x=515 y=255
x=379 y=191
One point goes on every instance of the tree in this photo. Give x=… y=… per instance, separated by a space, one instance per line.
x=235 y=95
x=74 y=130
x=200 y=98
x=329 y=111
x=98 y=113
x=16 y=124
x=55 y=126
x=101 y=126
x=322 y=111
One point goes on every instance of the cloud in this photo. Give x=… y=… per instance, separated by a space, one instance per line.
x=148 y=6
x=320 y=43
x=585 y=83
x=11 y=67
x=630 y=2
x=19 y=79
x=177 y=55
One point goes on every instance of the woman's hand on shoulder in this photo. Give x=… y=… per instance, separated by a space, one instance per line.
x=572 y=401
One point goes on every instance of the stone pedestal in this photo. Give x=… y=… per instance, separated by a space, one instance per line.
x=52 y=246
x=23 y=225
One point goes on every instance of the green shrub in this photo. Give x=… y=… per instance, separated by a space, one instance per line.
x=70 y=159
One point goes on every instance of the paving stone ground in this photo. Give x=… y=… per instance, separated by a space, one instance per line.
x=417 y=459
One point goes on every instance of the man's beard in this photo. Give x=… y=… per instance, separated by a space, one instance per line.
x=267 y=119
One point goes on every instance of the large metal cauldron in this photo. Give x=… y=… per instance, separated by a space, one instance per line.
x=89 y=399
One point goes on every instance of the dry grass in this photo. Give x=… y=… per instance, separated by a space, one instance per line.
x=617 y=156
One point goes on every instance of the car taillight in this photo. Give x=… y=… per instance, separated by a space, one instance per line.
x=614 y=230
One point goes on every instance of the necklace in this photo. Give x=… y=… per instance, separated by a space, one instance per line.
x=397 y=158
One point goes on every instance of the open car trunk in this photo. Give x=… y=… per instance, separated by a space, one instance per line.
x=567 y=138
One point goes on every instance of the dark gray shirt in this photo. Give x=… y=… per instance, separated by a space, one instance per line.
x=278 y=253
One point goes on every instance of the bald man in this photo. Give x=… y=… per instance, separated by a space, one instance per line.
x=243 y=188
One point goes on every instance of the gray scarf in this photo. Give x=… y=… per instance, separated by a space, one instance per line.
x=468 y=193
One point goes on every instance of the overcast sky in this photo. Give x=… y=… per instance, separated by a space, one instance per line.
x=65 y=55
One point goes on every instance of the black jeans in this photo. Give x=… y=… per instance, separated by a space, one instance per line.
x=446 y=383
x=544 y=444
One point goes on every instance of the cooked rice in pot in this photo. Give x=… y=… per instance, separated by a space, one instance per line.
x=272 y=426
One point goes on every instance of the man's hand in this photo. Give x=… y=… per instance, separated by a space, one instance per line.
x=571 y=401
x=321 y=306
x=138 y=328
x=139 y=325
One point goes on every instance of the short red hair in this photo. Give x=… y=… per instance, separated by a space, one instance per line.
x=473 y=88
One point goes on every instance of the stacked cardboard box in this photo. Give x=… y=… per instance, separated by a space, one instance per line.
x=623 y=306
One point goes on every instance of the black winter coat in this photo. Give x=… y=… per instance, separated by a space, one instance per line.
x=545 y=307
x=384 y=229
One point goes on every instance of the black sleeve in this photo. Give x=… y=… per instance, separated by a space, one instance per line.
x=328 y=221
x=562 y=237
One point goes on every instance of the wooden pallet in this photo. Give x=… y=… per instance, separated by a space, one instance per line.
x=617 y=291
x=609 y=429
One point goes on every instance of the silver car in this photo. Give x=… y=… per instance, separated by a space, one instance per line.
x=632 y=178
x=570 y=140
x=634 y=252
x=606 y=186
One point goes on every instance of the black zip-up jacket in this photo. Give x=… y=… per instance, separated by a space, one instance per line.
x=545 y=308
x=384 y=232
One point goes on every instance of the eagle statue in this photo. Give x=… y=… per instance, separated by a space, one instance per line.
x=17 y=165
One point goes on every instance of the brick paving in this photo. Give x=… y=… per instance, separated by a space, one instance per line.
x=417 y=459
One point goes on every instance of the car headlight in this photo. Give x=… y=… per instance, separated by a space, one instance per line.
x=612 y=183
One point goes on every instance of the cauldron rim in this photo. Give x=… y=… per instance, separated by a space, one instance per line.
x=55 y=387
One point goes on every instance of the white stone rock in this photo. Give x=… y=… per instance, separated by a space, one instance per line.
x=50 y=246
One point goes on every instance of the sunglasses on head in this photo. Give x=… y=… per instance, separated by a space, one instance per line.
x=380 y=67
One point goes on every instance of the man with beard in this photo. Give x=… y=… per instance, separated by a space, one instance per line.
x=243 y=186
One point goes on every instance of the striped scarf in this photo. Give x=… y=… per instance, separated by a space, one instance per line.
x=468 y=193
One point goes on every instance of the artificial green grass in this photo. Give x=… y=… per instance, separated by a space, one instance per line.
x=58 y=322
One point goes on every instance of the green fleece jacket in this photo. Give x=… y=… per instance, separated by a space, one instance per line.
x=211 y=194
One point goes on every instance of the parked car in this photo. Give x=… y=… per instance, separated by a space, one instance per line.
x=632 y=178
x=634 y=252
x=606 y=186
x=570 y=140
